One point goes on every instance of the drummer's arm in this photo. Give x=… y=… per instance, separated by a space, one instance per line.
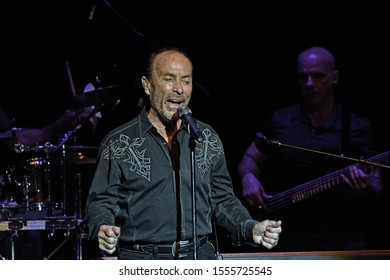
x=33 y=136
x=68 y=119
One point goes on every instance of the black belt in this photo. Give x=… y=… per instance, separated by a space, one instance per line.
x=178 y=249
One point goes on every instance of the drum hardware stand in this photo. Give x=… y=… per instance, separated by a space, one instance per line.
x=78 y=197
x=78 y=229
x=48 y=179
x=78 y=211
x=13 y=237
x=27 y=184
x=12 y=240
x=63 y=179
x=64 y=140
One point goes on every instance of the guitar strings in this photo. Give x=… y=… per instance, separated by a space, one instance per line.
x=309 y=189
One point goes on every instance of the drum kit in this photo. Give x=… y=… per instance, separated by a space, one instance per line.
x=39 y=185
x=47 y=184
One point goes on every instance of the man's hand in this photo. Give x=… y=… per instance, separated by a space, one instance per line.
x=253 y=191
x=108 y=238
x=267 y=233
x=361 y=181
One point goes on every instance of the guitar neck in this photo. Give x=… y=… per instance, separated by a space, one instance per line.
x=319 y=185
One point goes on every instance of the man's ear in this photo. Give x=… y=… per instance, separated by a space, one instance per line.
x=336 y=76
x=145 y=85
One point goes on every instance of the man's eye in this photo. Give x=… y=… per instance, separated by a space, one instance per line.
x=302 y=77
x=318 y=75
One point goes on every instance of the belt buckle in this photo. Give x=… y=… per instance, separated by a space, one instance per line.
x=181 y=242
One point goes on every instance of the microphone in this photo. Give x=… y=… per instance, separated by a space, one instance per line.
x=263 y=143
x=185 y=114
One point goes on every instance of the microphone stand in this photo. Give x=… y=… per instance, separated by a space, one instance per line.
x=279 y=144
x=193 y=196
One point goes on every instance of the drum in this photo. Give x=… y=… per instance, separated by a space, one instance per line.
x=26 y=183
x=34 y=182
x=9 y=206
x=9 y=189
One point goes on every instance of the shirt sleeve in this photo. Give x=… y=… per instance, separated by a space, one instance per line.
x=102 y=204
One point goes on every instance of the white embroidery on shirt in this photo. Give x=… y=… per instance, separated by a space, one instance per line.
x=130 y=148
x=210 y=148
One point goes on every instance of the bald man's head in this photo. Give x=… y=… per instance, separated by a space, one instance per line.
x=318 y=54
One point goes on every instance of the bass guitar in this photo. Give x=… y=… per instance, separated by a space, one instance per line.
x=320 y=185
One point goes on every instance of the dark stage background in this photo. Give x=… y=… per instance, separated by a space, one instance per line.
x=244 y=54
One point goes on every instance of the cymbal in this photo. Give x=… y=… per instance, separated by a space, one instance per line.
x=80 y=158
x=98 y=96
x=81 y=154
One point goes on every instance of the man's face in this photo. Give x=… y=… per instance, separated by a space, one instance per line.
x=170 y=84
x=316 y=80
